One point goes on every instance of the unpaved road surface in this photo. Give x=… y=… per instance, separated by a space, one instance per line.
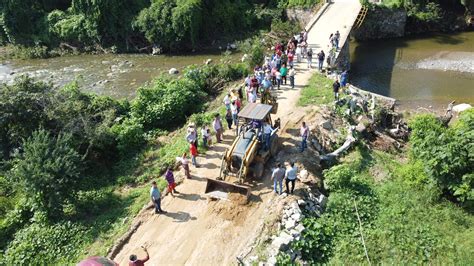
x=196 y=231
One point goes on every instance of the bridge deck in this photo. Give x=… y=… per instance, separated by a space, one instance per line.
x=337 y=15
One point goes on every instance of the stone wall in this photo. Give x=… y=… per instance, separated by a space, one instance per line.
x=381 y=23
x=300 y=15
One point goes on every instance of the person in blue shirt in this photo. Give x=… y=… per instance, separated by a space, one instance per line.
x=156 y=197
x=344 y=78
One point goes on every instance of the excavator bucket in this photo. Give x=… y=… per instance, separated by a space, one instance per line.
x=223 y=190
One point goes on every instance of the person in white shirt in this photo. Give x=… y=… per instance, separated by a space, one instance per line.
x=227 y=101
x=277 y=176
x=290 y=176
x=205 y=136
x=252 y=98
x=291 y=74
x=235 y=111
x=267 y=133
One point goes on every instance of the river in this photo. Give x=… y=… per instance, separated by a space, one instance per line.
x=424 y=71
x=115 y=75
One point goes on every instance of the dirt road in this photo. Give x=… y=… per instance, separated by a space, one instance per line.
x=196 y=231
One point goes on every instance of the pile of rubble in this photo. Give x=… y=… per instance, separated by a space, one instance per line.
x=291 y=226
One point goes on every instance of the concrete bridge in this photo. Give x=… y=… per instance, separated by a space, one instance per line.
x=338 y=15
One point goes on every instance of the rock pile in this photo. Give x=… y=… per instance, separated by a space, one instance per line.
x=291 y=226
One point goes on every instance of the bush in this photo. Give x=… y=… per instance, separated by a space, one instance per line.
x=447 y=153
x=38 y=244
x=47 y=172
x=129 y=135
x=165 y=104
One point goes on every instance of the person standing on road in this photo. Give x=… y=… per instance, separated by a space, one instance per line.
x=304 y=132
x=335 y=87
x=205 y=136
x=234 y=110
x=227 y=101
x=290 y=176
x=217 y=124
x=185 y=164
x=171 y=182
x=337 y=36
x=310 y=57
x=292 y=74
x=156 y=199
x=134 y=261
x=277 y=176
x=228 y=118
x=194 y=153
x=283 y=72
x=321 y=56
x=344 y=78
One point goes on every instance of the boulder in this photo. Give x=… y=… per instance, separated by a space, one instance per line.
x=322 y=200
x=173 y=71
x=289 y=224
x=326 y=125
x=297 y=217
x=461 y=107
x=282 y=241
x=301 y=202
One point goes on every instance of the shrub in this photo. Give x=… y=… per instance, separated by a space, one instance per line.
x=338 y=177
x=47 y=172
x=447 y=153
x=129 y=135
x=166 y=104
x=38 y=244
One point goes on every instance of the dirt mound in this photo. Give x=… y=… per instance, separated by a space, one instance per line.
x=235 y=209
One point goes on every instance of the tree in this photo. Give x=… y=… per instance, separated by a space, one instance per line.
x=47 y=172
x=22 y=110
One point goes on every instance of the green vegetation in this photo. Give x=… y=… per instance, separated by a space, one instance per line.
x=73 y=164
x=412 y=212
x=424 y=16
x=298 y=3
x=319 y=91
x=132 y=25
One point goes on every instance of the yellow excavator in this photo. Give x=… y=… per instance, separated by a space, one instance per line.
x=247 y=155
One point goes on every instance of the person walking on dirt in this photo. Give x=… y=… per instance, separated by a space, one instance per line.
x=192 y=136
x=235 y=110
x=185 y=164
x=156 y=199
x=321 y=57
x=277 y=176
x=134 y=261
x=170 y=179
x=194 y=153
x=291 y=74
x=284 y=73
x=290 y=176
x=335 y=87
x=310 y=57
x=217 y=124
x=228 y=118
x=304 y=132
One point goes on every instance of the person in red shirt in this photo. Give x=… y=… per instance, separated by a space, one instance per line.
x=194 y=152
x=134 y=261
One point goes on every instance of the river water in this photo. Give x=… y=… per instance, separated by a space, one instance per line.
x=118 y=76
x=424 y=71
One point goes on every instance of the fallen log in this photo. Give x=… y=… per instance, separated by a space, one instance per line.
x=345 y=146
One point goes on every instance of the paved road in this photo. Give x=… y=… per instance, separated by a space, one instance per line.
x=339 y=15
